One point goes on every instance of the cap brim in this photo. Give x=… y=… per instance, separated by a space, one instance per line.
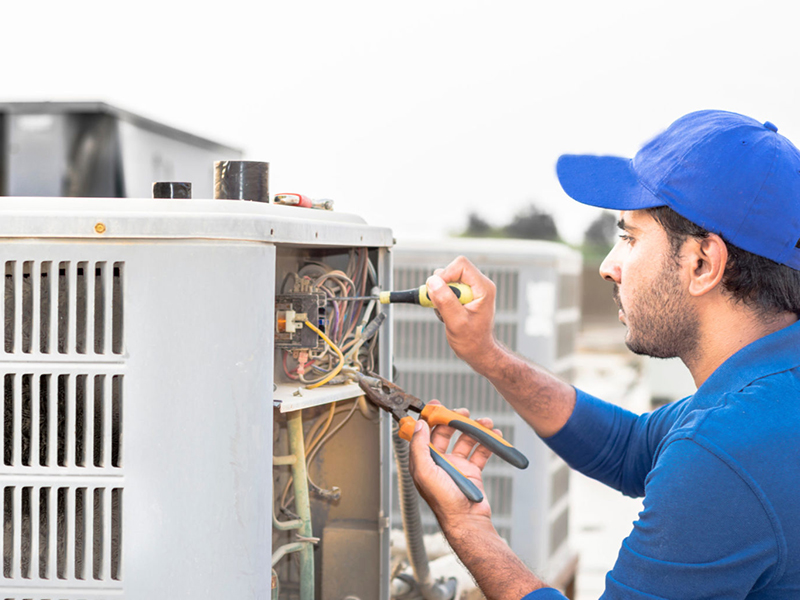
x=604 y=181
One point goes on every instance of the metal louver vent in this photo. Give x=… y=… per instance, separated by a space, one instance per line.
x=62 y=420
x=62 y=431
x=62 y=527
x=63 y=307
x=66 y=532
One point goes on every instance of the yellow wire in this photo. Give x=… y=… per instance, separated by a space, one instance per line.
x=314 y=436
x=335 y=348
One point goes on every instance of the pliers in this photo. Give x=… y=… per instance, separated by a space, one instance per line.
x=396 y=401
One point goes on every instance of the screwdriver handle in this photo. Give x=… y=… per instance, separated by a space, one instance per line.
x=436 y=414
x=420 y=295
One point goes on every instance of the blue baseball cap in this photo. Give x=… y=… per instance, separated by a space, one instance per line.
x=723 y=171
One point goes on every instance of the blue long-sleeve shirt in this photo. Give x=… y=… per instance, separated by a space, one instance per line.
x=720 y=476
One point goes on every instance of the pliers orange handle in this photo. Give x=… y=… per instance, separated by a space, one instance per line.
x=436 y=414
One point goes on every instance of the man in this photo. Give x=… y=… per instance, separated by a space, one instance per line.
x=707 y=269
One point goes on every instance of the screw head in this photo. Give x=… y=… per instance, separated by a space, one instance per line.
x=100 y=228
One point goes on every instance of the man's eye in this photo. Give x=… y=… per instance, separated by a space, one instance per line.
x=626 y=238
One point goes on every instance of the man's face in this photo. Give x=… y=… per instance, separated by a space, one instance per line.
x=650 y=291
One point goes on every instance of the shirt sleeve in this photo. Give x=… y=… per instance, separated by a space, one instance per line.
x=613 y=445
x=545 y=594
x=705 y=532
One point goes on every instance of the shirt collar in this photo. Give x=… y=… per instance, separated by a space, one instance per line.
x=774 y=353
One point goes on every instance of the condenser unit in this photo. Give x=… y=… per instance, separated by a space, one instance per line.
x=538 y=317
x=93 y=149
x=153 y=414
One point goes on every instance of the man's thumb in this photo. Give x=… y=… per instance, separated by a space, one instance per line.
x=419 y=442
x=440 y=293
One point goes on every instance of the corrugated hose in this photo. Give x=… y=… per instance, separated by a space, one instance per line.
x=412 y=526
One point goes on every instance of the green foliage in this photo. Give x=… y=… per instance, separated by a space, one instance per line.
x=477 y=226
x=601 y=232
x=530 y=223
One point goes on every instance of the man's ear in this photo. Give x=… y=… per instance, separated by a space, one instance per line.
x=707 y=259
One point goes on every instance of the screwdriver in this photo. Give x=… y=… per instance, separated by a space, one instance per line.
x=414 y=296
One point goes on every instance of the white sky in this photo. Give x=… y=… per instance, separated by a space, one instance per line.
x=412 y=114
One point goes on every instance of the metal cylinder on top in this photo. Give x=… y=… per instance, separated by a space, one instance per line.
x=172 y=189
x=241 y=180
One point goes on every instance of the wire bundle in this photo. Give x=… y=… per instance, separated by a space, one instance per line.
x=344 y=323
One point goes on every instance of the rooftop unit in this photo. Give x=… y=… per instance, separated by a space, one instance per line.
x=145 y=395
x=92 y=149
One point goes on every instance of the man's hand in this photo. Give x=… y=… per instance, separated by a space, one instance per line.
x=544 y=401
x=469 y=327
x=435 y=485
x=468 y=525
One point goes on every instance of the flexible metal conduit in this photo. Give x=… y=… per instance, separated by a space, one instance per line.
x=412 y=525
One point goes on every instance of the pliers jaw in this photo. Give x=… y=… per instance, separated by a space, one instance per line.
x=388 y=396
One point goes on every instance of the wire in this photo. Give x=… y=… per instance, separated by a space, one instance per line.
x=341 y=424
x=316 y=437
x=294 y=276
x=285 y=502
x=335 y=348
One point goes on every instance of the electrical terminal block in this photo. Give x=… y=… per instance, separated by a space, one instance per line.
x=289 y=321
x=291 y=312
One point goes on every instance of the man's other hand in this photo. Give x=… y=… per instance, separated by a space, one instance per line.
x=469 y=327
x=449 y=504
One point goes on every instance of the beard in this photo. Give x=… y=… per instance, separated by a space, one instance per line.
x=661 y=322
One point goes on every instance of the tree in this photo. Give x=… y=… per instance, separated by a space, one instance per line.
x=477 y=226
x=531 y=223
x=601 y=232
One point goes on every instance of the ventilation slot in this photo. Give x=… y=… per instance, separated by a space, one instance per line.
x=10 y=302
x=117 y=311
x=426 y=340
x=62 y=420
x=560 y=485
x=62 y=307
x=62 y=533
x=559 y=529
x=45 y=307
x=462 y=389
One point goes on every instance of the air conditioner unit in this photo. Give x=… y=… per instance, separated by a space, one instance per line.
x=538 y=317
x=145 y=397
x=97 y=150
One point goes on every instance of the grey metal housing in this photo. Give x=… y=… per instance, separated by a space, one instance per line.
x=137 y=369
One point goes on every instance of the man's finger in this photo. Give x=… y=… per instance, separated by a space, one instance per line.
x=418 y=448
x=443 y=434
x=482 y=455
x=442 y=296
x=464 y=271
x=465 y=443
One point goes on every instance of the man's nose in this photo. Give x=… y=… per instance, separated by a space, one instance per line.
x=610 y=268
